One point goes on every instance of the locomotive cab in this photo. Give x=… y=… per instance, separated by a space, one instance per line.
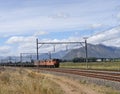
x=56 y=63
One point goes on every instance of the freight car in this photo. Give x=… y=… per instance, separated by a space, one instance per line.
x=51 y=63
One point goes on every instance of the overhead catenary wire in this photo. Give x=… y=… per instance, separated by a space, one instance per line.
x=103 y=32
x=53 y=43
x=100 y=32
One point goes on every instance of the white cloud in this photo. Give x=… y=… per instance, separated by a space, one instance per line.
x=23 y=44
x=60 y=15
x=27 y=48
x=118 y=16
x=108 y=37
x=39 y=33
x=113 y=42
x=4 y=50
x=97 y=25
x=64 y=17
x=20 y=39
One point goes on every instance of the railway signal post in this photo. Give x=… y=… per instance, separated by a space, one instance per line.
x=37 y=49
x=86 y=52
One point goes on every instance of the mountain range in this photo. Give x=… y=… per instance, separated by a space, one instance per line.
x=97 y=51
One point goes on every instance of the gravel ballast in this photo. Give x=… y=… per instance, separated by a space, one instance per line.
x=97 y=81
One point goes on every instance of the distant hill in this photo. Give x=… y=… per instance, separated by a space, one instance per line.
x=98 y=51
x=43 y=56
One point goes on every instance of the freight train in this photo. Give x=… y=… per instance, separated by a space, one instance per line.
x=50 y=63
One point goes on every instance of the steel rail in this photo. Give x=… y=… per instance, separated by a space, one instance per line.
x=101 y=75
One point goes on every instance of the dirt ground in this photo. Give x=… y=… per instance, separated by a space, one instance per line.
x=72 y=87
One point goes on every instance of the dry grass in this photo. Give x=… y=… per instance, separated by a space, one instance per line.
x=25 y=81
x=21 y=81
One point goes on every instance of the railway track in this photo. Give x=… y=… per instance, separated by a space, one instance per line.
x=107 y=75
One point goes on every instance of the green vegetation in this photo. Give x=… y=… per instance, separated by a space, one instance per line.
x=93 y=65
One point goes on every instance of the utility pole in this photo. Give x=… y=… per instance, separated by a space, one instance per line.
x=37 y=54
x=37 y=49
x=49 y=55
x=9 y=59
x=86 y=52
x=20 y=57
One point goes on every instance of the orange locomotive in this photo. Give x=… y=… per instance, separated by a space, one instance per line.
x=52 y=63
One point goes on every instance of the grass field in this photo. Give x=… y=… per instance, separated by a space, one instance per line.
x=27 y=81
x=93 y=65
x=21 y=81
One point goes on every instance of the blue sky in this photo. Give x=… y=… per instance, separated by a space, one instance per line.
x=22 y=21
